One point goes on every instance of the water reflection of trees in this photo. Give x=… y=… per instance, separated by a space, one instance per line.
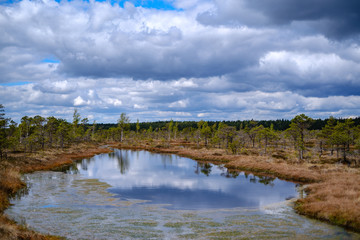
x=166 y=159
x=70 y=169
x=73 y=169
x=84 y=163
x=122 y=157
x=230 y=174
x=266 y=180
x=204 y=168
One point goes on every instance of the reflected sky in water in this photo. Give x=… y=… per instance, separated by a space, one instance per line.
x=181 y=183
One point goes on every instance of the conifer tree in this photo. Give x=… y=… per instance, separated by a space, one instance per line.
x=299 y=124
x=3 y=136
x=123 y=124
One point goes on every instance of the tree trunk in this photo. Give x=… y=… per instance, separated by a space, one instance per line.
x=266 y=143
x=321 y=148
x=62 y=143
x=50 y=140
x=43 y=142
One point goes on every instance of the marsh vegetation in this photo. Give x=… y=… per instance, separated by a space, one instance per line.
x=142 y=195
x=324 y=154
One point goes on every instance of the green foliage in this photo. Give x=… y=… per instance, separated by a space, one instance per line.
x=357 y=144
x=123 y=125
x=35 y=133
x=137 y=126
x=169 y=128
x=342 y=135
x=4 y=143
x=252 y=131
x=278 y=125
x=205 y=131
x=63 y=132
x=234 y=146
x=298 y=126
x=267 y=135
x=226 y=134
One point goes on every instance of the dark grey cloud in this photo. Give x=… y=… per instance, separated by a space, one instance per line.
x=206 y=55
x=337 y=19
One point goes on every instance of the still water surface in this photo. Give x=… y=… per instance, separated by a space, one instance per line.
x=137 y=194
x=182 y=183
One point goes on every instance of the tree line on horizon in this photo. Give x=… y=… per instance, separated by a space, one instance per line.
x=302 y=134
x=279 y=124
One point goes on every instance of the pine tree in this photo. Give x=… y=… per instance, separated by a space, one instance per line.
x=123 y=124
x=3 y=136
x=299 y=124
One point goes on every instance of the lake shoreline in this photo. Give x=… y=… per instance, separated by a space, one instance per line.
x=331 y=189
x=22 y=163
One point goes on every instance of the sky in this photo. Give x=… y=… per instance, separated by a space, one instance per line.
x=180 y=59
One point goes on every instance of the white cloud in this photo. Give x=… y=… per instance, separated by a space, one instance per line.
x=179 y=104
x=79 y=101
x=183 y=114
x=307 y=66
x=137 y=106
x=60 y=87
x=200 y=115
x=212 y=59
x=332 y=103
x=114 y=102
x=185 y=83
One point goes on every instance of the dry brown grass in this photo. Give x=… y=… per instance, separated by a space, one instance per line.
x=10 y=183
x=10 y=231
x=335 y=199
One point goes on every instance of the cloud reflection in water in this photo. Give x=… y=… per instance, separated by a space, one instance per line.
x=182 y=183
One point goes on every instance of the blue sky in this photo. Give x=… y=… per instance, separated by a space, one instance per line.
x=14 y=84
x=156 y=4
x=50 y=60
x=180 y=59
